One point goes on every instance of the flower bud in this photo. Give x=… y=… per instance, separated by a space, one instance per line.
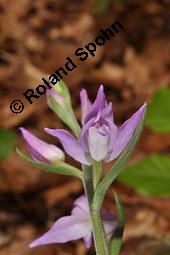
x=41 y=151
x=58 y=97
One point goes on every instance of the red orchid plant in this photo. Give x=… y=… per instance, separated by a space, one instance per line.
x=97 y=140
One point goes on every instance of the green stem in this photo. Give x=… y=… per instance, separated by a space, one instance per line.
x=97 y=170
x=101 y=245
x=88 y=184
x=98 y=230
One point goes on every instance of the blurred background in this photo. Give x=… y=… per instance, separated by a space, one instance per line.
x=134 y=66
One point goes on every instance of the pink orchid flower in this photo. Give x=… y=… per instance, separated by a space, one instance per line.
x=100 y=138
x=77 y=225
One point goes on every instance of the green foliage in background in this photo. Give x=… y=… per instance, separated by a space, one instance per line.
x=158 y=116
x=102 y=6
x=7 y=143
x=150 y=176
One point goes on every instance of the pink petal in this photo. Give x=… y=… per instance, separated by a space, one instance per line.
x=85 y=104
x=71 y=145
x=113 y=131
x=82 y=209
x=125 y=133
x=88 y=240
x=84 y=135
x=65 y=229
x=98 y=105
x=107 y=112
x=82 y=203
x=40 y=150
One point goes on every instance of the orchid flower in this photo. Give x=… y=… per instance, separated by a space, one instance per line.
x=100 y=138
x=41 y=151
x=77 y=225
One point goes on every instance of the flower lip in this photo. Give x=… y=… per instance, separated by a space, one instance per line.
x=98 y=143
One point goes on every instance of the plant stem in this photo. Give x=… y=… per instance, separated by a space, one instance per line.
x=97 y=226
x=101 y=245
x=88 y=184
x=97 y=169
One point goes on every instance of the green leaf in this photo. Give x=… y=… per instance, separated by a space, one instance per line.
x=150 y=176
x=58 y=168
x=158 y=115
x=116 y=242
x=7 y=143
x=117 y=167
x=120 y=210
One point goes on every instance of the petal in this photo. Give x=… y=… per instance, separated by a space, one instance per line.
x=82 y=203
x=88 y=240
x=125 y=133
x=110 y=227
x=113 y=131
x=107 y=215
x=85 y=104
x=71 y=145
x=40 y=150
x=77 y=211
x=98 y=144
x=56 y=96
x=110 y=222
x=98 y=105
x=84 y=134
x=108 y=112
x=65 y=229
